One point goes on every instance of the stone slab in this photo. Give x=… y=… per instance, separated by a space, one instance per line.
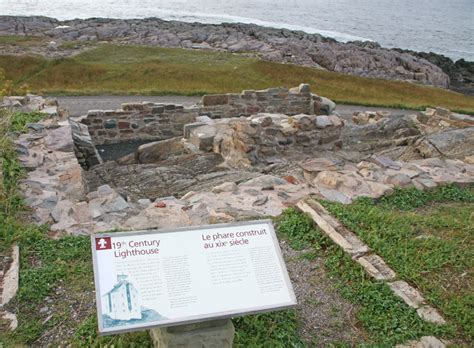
x=407 y=293
x=424 y=342
x=376 y=267
x=431 y=315
x=10 y=279
x=8 y=321
x=333 y=228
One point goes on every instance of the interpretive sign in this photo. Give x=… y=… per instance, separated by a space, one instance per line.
x=157 y=278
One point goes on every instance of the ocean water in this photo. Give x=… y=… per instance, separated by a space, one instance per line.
x=441 y=26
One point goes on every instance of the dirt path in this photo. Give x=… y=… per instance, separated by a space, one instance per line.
x=80 y=105
x=325 y=318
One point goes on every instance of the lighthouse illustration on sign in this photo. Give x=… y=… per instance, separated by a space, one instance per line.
x=123 y=302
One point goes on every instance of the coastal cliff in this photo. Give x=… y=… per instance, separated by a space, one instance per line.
x=279 y=45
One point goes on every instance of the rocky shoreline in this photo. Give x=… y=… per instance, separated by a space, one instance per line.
x=279 y=45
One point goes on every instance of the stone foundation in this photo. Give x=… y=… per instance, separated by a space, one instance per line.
x=244 y=142
x=151 y=121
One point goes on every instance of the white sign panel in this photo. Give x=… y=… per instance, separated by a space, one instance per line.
x=160 y=278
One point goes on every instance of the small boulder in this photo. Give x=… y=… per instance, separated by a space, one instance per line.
x=323 y=122
x=225 y=187
x=326 y=105
x=398 y=180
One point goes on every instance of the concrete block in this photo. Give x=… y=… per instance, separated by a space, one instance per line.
x=210 y=334
x=203 y=137
x=188 y=128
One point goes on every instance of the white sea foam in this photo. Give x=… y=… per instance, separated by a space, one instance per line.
x=219 y=18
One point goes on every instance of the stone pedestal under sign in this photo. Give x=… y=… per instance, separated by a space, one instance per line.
x=209 y=334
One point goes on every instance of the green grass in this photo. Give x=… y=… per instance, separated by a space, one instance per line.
x=277 y=329
x=19 y=40
x=20 y=120
x=427 y=238
x=46 y=264
x=386 y=319
x=114 y=69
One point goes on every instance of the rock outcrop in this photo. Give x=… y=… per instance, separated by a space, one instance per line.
x=279 y=45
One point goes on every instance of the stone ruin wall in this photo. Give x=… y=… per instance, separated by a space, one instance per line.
x=250 y=102
x=151 y=121
x=246 y=142
x=143 y=121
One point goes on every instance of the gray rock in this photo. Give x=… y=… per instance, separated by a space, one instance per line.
x=160 y=150
x=304 y=88
x=431 y=315
x=105 y=190
x=399 y=180
x=455 y=143
x=144 y=202
x=225 y=187
x=117 y=204
x=37 y=127
x=10 y=277
x=260 y=201
x=265 y=181
x=334 y=195
x=385 y=162
x=323 y=122
x=60 y=139
x=327 y=105
x=84 y=145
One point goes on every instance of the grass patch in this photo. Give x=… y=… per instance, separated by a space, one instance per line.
x=23 y=41
x=277 y=329
x=20 y=120
x=427 y=238
x=44 y=266
x=115 y=69
x=386 y=319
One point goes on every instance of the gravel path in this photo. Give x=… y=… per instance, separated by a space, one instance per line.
x=80 y=105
